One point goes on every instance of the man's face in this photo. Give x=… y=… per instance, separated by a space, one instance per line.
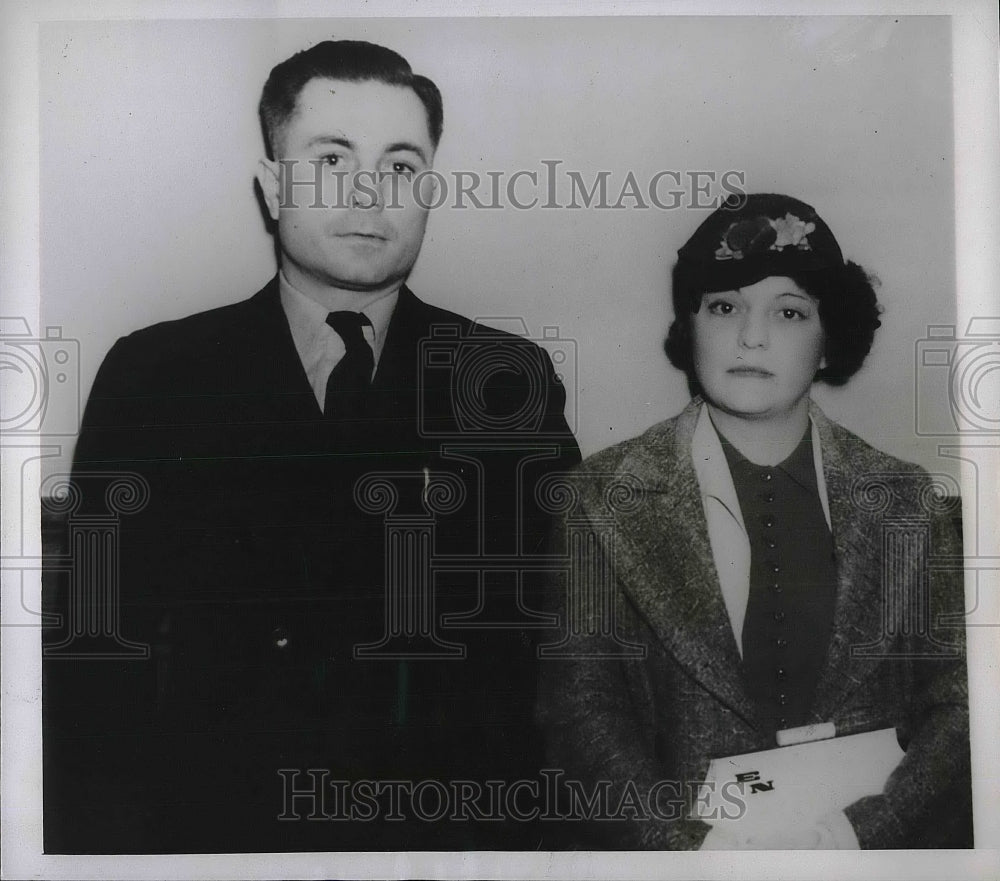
x=365 y=141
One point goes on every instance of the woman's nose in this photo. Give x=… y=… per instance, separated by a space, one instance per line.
x=754 y=332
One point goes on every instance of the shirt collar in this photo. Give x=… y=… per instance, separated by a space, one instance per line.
x=715 y=478
x=798 y=465
x=307 y=317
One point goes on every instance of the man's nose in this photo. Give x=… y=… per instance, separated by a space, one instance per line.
x=365 y=190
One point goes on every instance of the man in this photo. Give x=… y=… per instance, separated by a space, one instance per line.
x=274 y=445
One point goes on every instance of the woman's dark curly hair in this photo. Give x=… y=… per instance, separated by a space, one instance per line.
x=848 y=311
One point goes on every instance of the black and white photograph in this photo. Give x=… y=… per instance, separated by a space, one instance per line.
x=530 y=442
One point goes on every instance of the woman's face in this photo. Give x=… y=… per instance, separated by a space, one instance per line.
x=757 y=348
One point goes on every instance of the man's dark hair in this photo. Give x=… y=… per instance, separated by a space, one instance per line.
x=848 y=311
x=350 y=60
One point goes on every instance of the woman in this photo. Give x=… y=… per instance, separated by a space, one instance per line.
x=751 y=566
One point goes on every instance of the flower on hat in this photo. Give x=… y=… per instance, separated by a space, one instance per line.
x=792 y=231
x=763 y=233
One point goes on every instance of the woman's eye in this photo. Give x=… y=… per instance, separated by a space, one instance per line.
x=330 y=160
x=720 y=307
x=402 y=168
x=792 y=314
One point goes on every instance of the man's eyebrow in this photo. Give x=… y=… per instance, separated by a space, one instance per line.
x=400 y=146
x=337 y=140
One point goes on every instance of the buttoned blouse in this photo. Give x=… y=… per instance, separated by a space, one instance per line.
x=793 y=582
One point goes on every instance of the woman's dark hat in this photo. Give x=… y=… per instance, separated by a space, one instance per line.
x=751 y=237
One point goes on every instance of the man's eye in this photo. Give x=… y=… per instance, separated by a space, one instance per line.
x=402 y=168
x=330 y=160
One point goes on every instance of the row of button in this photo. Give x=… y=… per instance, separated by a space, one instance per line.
x=779 y=616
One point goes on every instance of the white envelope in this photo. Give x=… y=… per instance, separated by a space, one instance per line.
x=794 y=786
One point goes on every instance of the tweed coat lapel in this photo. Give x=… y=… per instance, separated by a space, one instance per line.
x=857 y=537
x=664 y=561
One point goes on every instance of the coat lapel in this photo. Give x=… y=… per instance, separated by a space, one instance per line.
x=857 y=536
x=398 y=369
x=665 y=563
x=272 y=368
x=393 y=412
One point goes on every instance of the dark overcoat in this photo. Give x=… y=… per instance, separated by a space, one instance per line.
x=251 y=564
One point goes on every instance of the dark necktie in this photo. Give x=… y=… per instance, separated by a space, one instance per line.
x=350 y=378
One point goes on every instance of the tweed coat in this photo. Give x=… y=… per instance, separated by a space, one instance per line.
x=639 y=721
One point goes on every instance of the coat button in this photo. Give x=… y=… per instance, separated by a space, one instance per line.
x=279 y=638
x=767 y=520
x=766 y=476
x=779 y=616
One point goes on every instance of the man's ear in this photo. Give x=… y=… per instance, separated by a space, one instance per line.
x=269 y=178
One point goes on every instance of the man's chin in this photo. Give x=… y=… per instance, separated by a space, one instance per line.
x=364 y=279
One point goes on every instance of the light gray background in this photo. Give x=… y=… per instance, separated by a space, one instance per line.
x=149 y=139
x=28 y=35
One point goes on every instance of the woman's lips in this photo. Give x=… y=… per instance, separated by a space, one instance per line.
x=759 y=372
